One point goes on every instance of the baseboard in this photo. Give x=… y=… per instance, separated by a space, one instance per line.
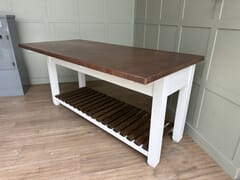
x=218 y=156
x=238 y=174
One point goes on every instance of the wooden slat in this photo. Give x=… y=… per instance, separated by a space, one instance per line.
x=91 y=101
x=84 y=100
x=106 y=110
x=100 y=108
x=145 y=144
x=112 y=112
x=140 y=140
x=77 y=95
x=95 y=104
x=129 y=121
x=137 y=121
x=139 y=129
x=69 y=93
x=122 y=119
x=114 y=117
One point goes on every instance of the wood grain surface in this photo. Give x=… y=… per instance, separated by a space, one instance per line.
x=41 y=141
x=136 y=64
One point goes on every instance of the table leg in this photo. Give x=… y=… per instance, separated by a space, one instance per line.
x=81 y=80
x=159 y=104
x=53 y=78
x=182 y=107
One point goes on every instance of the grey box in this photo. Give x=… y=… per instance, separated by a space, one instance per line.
x=14 y=79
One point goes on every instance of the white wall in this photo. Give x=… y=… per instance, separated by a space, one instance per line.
x=210 y=28
x=42 y=20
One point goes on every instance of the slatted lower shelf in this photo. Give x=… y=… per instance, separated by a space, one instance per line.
x=126 y=122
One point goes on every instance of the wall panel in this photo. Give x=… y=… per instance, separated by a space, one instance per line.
x=120 y=34
x=140 y=10
x=210 y=28
x=98 y=20
x=94 y=32
x=138 y=35
x=170 y=9
x=61 y=10
x=151 y=36
x=120 y=11
x=167 y=39
x=231 y=10
x=195 y=9
x=224 y=70
x=28 y=9
x=5 y=6
x=193 y=103
x=63 y=31
x=32 y=32
x=219 y=123
x=92 y=11
x=195 y=41
x=153 y=10
x=34 y=63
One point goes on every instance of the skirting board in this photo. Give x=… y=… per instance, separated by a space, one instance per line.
x=238 y=174
x=219 y=157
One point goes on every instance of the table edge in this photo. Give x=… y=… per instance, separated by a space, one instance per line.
x=132 y=77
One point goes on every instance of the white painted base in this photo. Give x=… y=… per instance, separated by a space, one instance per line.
x=159 y=90
x=237 y=176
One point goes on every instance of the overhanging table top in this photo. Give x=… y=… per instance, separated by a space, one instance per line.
x=136 y=64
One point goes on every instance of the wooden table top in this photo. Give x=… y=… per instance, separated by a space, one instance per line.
x=136 y=64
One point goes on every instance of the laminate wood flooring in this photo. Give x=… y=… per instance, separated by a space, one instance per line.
x=41 y=141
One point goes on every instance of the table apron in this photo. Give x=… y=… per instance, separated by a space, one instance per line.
x=141 y=88
x=174 y=81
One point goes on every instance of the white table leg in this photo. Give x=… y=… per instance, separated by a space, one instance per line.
x=182 y=107
x=159 y=104
x=81 y=80
x=53 y=78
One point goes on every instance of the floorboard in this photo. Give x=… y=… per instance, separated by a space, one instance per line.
x=41 y=141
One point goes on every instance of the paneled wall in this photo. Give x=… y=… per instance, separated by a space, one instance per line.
x=210 y=28
x=41 y=20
